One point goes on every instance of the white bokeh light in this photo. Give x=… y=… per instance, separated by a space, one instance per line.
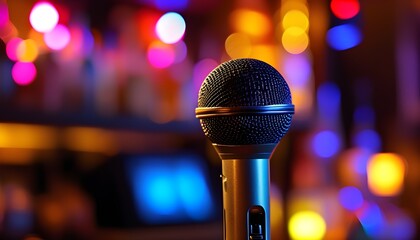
x=170 y=28
x=43 y=17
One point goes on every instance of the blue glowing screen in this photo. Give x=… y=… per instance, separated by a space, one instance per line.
x=343 y=37
x=170 y=189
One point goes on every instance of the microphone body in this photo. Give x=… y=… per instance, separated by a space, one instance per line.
x=246 y=193
x=244 y=107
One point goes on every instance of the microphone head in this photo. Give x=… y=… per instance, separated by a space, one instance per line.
x=243 y=83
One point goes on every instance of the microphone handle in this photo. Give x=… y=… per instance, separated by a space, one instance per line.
x=246 y=190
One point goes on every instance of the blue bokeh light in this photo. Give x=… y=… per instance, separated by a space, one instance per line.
x=171 y=5
x=326 y=144
x=364 y=115
x=329 y=100
x=360 y=161
x=368 y=139
x=372 y=220
x=170 y=189
x=350 y=198
x=343 y=37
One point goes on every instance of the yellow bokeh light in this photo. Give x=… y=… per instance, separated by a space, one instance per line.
x=306 y=225
x=295 y=40
x=295 y=18
x=27 y=51
x=238 y=45
x=250 y=22
x=266 y=53
x=39 y=40
x=385 y=174
x=287 y=6
x=302 y=99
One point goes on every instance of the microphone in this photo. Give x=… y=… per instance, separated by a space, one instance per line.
x=245 y=108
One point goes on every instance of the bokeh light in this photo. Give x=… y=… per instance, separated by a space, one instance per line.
x=58 y=38
x=287 y=6
x=160 y=55
x=345 y=9
x=307 y=225
x=368 y=139
x=11 y=48
x=372 y=219
x=350 y=198
x=81 y=44
x=250 y=22
x=173 y=5
x=343 y=37
x=295 y=18
x=326 y=144
x=23 y=73
x=181 y=51
x=297 y=70
x=364 y=115
x=201 y=69
x=43 y=17
x=27 y=51
x=4 y=15
x=39 y=41
x=329 y=100
x=238 y=45
x=295 y=40
x=162 y=189
x=385 y=174
x=170 y=28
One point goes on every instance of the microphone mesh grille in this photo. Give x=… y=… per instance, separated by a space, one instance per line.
x=245 y=82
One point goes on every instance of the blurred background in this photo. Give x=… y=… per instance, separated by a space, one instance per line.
x=99 y=140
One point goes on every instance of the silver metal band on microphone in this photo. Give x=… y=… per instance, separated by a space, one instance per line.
x=205 y=112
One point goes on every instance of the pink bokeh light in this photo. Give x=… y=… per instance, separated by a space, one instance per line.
x=11 y=48
x=160 y=55
x=58 y=38
x=23 y=73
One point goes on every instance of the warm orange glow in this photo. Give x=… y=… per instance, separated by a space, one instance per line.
x=238 y=45
x=26 y=136
x=27 y=51
x=294 y=5
x=295 y=40
x=86 y=139
x=250 y=22
x=385 y=174
x=266 y=53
